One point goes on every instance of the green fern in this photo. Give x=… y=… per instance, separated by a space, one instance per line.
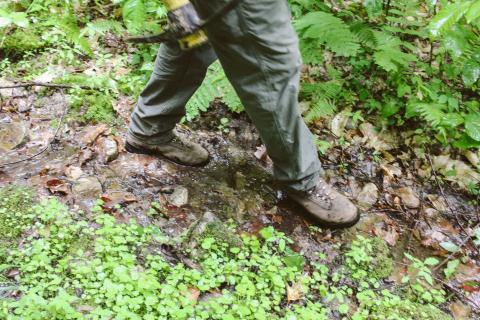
x=323 y=97
x=215 y=85
x=321 y=108
x=330 y=31
x=68 y=25
x=389 y=54
x=103 y=26
x=134 y=15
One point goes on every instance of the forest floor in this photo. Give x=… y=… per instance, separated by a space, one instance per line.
x=404 y=203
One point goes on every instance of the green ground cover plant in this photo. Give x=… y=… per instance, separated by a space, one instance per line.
x=77 y=265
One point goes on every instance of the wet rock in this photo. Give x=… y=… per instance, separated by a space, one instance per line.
x=409 y=198
x=179 y=197
x=87 y=187
x=368 y=196
x=108 y=149
x=73 y=172
x=12 y=135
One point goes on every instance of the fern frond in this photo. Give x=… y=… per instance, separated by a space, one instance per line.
x=68 y=25
x=103 y=26
x=321 y=108
x=312 y=52
x=365 y=34
x=215 y=85
x=432 y=113
x=330 y=31
x=322 y=90
x=389 y=55
x=134 y=15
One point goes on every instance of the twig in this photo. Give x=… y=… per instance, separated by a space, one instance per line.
x=44 y=84
x=65 y=110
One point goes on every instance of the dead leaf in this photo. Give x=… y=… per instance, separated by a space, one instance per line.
x=93 y=133
x=194 y=294
x=339 y=122
x=12 y=273
x=261 y=154
x=438 y=202
x=456 y=171
x=295 y=292
x=460 y=311
x=123 y=107
x=387 y=233
x=85 y=155
x=374 y=139
x=391 y=170
x=409 y=198
x=57 y=186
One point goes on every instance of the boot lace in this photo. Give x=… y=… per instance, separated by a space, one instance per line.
x=323 y=192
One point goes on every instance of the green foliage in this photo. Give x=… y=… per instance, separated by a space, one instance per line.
x=90 y=266
x=324 y=28
x=215 y=85
x=21 y=41
x=15 y=212
x=368 y=259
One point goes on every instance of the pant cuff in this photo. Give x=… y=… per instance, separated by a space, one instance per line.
x=152 y=140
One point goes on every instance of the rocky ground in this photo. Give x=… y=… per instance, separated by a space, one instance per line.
x=400 y=189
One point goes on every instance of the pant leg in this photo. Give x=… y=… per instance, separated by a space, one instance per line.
x=258 y=49
x=161 y=105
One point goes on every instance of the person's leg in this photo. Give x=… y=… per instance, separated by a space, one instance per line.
x=258 y=49
x=161 y=105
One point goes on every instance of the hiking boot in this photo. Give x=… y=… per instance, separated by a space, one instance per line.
x=327 y=206
x=178 y=150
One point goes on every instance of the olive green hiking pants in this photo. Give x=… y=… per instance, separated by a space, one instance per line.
x=258 y=49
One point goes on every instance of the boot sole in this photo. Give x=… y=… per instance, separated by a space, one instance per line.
x=136 y=150
x=326 y=224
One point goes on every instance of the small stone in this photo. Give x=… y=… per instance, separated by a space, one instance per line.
x=179 y=197
x=409 y=199
x=108 y=149
x=87 y=187
x=368 y=196
x=12 y=135
x=73 y=172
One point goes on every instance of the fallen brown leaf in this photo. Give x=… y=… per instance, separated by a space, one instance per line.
x=93 y=133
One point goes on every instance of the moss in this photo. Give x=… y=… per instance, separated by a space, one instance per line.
x=382 y=263
x=22 y=40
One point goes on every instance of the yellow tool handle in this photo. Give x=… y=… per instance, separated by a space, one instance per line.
x=175 y=4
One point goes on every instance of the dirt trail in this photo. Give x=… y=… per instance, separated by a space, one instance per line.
x=88 y=162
